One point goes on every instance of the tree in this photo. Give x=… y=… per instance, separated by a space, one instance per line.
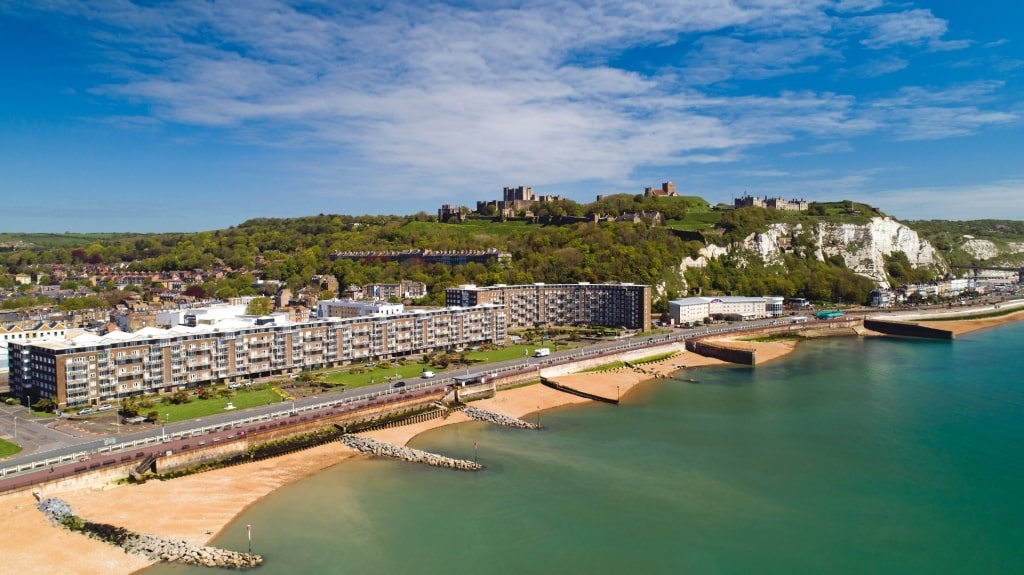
x=258 y=306
x=180 y=397
x=47 y=404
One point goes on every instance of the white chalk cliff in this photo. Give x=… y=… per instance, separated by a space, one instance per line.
x=862 y=247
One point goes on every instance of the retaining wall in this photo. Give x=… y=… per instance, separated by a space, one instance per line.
x=731 y=355
x=904 y=329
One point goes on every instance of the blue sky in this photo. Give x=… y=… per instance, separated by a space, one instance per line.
x=194 y=115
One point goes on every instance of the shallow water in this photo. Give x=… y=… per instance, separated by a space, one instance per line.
x=852 y=455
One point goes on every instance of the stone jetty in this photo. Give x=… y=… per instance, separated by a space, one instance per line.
x=382 y=449
x=151 y=546
x=497 y=418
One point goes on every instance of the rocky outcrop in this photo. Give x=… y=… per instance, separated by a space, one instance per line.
x=862 y=247
x=983 y=250
x=497 y=418
x=382 y=449
x=151 y=546
x=177 y=551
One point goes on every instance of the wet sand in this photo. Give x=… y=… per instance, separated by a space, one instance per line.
x=962 y=326
x=197 y=507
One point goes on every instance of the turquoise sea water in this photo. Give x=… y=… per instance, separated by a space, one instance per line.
x=850 y=456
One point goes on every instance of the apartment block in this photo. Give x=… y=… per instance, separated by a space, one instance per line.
x=610 y=305
x=90 y=369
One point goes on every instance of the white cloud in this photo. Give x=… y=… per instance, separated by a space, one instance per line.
x=918 y=113
x=961 y=203
x=912 y=27
x=878 y=68
x=465 y=95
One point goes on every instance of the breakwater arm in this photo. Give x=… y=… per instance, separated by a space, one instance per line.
x=555 y=385
x=151 y=546
x=907 y=329
x=382 y=449
x=497 y=418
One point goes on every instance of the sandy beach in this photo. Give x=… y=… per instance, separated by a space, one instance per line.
x=195 y=508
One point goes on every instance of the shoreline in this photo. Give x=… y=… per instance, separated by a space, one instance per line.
x=215 y=498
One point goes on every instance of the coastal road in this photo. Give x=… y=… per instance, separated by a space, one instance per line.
x=55 y=446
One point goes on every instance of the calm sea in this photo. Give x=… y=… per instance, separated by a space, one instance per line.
x=851 y=456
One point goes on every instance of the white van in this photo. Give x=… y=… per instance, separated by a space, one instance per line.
x=541 y=352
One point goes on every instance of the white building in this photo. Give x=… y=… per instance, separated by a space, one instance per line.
x=90 y=369
x=695 y=309
x=352 y=308
x=51 y=331
x=775 y=306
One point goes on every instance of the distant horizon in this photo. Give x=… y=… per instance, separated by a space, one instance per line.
x=194 y=116
x=257 y=217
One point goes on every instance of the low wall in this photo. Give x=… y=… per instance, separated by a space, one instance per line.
x=209 y=452
x=729 y=354
x=592 y=362
x=904 y=329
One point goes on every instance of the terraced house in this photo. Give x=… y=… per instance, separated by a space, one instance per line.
x=89 y=369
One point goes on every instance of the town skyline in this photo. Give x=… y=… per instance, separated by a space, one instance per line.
x=186 y=117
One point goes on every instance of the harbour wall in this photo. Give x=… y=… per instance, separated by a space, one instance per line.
x=905 y=329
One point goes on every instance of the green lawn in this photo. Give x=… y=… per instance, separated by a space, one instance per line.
x=202 y=407
x=358 y=375
x=377 y=374
x=8 y=449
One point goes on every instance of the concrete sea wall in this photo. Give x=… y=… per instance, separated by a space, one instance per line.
x=904 y=329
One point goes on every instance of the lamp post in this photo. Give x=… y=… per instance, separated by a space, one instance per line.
x=163 y=428
x=15 y=427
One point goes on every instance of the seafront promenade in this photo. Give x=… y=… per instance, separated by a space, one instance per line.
x=216 y=497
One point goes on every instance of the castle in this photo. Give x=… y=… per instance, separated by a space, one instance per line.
x=747 y=201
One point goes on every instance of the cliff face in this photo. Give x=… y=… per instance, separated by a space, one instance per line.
x=986 y=250
x=862 y=247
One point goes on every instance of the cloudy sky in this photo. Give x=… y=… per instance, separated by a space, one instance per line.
x=200 y=114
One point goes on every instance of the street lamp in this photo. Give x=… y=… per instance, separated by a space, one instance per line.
x=15 y=427
x=163 y=428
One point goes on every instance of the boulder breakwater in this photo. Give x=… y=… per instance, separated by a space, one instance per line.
x=152 y=547
x=497 y=418
x=382 y=449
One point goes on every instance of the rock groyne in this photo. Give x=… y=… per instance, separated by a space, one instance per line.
x=498 y=418
x=150 y=546
x=382 y=449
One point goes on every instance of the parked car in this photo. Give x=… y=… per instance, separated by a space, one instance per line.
x=105 y=407
x=85 y=411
